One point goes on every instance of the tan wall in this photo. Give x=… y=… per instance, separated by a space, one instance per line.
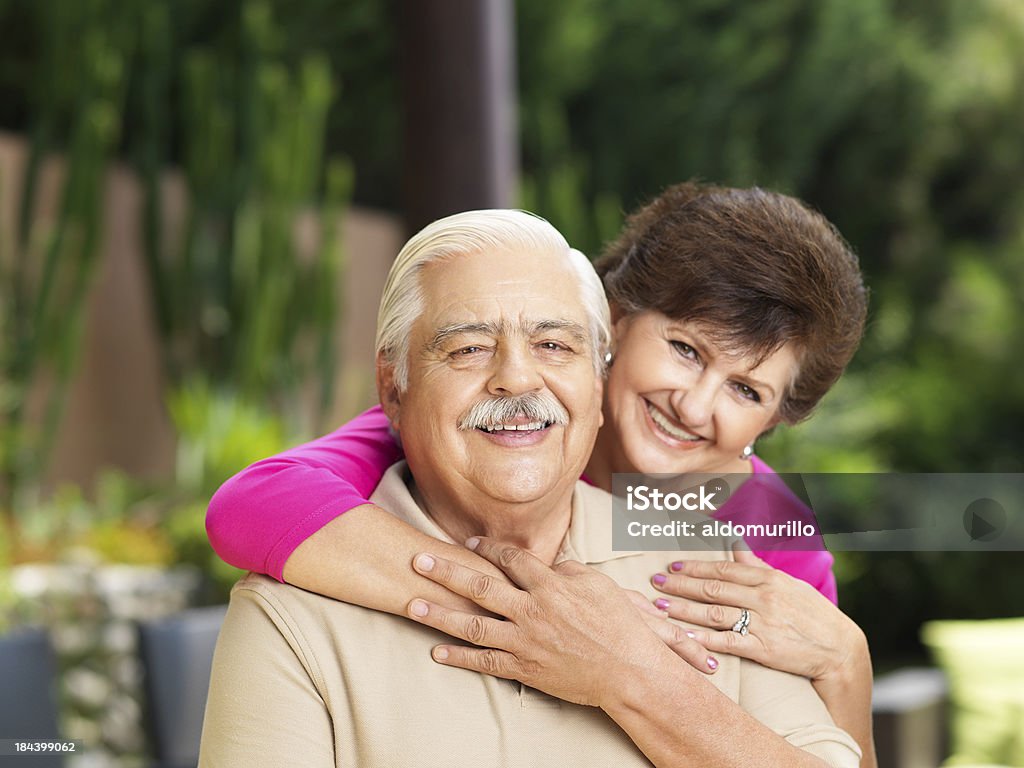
x=114 y=412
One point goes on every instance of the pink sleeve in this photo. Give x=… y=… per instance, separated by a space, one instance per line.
x=258 y=517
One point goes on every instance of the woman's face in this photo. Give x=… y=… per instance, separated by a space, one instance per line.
x=677 y=402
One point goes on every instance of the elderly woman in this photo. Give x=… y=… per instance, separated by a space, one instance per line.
x=734 y=311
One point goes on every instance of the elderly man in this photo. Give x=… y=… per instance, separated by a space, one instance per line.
x=490 y=343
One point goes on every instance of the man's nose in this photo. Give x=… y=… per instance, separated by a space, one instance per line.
x=515 y=371
x=694 y=403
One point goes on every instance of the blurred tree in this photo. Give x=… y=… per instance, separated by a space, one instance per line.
x=241 y=303
x=238 y=300
x=78 y=86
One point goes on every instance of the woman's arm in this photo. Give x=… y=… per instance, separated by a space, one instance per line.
x=571 y=632
x=258 y=517
x=792 y=628
x=303 y=517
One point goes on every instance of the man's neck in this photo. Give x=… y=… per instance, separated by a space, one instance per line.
x=539 y=526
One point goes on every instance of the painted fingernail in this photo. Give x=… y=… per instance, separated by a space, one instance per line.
x=677 y=566
x=471 y=543
x=660 y=579
x=712 y=662
x=424 y=563
x=440 y=653
x=661 y=604
x=690 y=634
x=418 y=608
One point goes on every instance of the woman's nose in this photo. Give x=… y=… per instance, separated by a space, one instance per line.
x=694 y=403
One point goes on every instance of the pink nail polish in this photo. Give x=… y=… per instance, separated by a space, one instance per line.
x=712 y=662
x=677 y=566
x=660 y=579
x=661 y=604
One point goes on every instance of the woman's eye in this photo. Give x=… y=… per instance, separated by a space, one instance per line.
x=465 y=351
x=747 y=392
x=684 y=349
x=552 y=346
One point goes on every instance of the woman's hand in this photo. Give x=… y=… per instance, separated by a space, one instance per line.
x=569 y=630
x=792 y=627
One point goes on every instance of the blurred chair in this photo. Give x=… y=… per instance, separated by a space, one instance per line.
x=176 y=654
x=27 y=704
x=909 y=713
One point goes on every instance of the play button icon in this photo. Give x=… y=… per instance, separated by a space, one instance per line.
x=984 y=519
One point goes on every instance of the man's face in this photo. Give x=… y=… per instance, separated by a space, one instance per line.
x=496 y=326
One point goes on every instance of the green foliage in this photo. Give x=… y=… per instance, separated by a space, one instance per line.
x=127 y=520
x=43 y=284
x=241 y=301
x=245 y=299
x=219 y=433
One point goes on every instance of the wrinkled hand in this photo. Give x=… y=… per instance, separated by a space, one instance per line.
x=792 y=627
x=569 y=630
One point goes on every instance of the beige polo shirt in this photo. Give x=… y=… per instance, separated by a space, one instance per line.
x=303 y=680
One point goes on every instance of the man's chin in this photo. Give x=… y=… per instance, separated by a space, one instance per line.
x=522 y=485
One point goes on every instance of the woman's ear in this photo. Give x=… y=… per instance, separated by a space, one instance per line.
x=388 y=392
x=620 y=320
x=616 y=311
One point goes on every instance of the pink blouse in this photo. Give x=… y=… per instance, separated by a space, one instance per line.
x=258 y=517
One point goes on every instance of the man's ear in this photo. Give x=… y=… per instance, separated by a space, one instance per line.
x=387 y=391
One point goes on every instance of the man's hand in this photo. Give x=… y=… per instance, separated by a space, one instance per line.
x=568 y=630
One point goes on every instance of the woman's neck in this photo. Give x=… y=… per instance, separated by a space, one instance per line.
x=599 y=468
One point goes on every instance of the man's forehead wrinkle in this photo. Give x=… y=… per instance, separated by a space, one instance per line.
x=522 y=326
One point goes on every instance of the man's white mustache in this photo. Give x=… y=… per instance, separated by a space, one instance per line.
x=533 y=406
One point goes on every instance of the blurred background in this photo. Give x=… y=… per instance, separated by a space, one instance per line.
x=199 y=201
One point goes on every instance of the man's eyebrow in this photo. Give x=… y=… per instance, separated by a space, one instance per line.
x=577 y=331
x=493 y=329
x=445 y=332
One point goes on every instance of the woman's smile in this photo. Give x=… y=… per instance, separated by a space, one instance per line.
x=669 y=429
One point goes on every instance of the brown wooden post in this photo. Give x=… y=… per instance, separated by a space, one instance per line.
x=461 y=136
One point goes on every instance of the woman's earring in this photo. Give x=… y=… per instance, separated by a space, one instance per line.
x=608 y=359
x=747 y=452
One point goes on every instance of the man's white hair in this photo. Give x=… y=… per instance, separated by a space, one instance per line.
x=465 y=234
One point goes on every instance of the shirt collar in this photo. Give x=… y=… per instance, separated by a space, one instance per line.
x=588 y=540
